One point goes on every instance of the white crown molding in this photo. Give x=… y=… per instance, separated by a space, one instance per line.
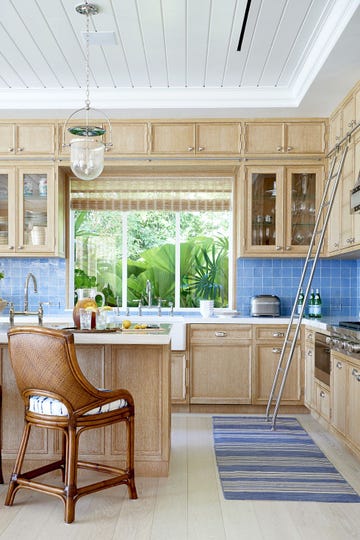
x=155 y=98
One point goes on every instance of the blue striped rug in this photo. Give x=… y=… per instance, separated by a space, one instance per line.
x=255 y=463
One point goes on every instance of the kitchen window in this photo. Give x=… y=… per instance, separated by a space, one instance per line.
x=175 y=232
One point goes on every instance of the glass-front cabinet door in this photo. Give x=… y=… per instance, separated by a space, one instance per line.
x=281 y=209
x=35 y=194
x=264 y=200
x=301 y=205
x=7 y=210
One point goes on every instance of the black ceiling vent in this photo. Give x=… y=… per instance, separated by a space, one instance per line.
x=244 y=25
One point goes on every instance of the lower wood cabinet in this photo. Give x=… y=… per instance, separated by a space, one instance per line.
x=322 y=400
x=309 y=367
x=267 y=349
x=220 y=363
x=345 y=399
x=179 y=377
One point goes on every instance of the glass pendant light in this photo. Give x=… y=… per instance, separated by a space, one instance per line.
x=87 y=152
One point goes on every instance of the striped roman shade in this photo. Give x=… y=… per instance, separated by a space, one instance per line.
x=175 y=194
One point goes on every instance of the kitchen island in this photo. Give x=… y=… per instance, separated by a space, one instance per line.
x=139 y=362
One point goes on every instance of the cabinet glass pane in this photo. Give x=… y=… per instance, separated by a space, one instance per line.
x=35 y=209
x=4 y=215
x=263 y=211
x=302 y=207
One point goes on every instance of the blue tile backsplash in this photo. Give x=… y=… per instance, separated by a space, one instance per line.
x=337 y=279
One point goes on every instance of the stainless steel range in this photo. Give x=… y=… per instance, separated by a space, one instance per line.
x=345 y=338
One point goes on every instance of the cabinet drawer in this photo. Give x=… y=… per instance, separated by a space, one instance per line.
x=217 y=332
x=271 y=332
x=322 y=400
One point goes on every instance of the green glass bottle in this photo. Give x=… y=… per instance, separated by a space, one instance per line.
x=311 y=304
x=317 y=305
x=300 y=301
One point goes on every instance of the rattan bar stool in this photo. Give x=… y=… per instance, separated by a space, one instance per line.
x=1 y=474
x=58 y=396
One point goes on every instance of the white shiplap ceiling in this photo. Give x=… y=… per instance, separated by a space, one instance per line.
x=179 y=58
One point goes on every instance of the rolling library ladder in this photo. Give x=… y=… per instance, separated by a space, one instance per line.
x=338 y=154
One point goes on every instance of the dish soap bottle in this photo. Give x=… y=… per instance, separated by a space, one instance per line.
x=317 y=305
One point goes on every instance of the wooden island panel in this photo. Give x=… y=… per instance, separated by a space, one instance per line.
x=144 y=370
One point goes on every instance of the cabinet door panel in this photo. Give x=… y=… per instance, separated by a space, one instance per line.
x=7 y=139
x=305 y=138
x=128 y=139
x=263 y=138
x=353 y=398
x=218 y=138
x=178 y=377
x=173 y=138
x=338 y=393
x=220 y=374
x=266 y=361
x=35 y=139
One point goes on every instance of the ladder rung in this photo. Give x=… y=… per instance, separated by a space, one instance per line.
x=319 y=231
x=325 y=204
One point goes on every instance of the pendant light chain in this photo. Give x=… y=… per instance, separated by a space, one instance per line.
x=87 y=69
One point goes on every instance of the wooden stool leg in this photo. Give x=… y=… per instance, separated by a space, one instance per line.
x=70 y=475
x=13 y=485
x=130 y=457
x=1 y=474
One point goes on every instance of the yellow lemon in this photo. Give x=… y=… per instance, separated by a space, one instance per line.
x=126 y=324
x=106 y=308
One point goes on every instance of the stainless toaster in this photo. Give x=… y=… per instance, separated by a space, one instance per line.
x=265 y=305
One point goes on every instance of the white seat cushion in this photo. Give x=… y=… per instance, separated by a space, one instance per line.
x=54 y=407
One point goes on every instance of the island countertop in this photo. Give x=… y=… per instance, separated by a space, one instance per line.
x=149 y=336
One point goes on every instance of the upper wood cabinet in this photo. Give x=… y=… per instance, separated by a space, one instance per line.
x=27 y=139
x=128 y=138
x=189 y=139
x=31 y=212
x=285 y=138
x=279 y=209
x=345 y=117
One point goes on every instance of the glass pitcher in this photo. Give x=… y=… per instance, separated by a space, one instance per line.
x=90 y=293
x=87 y=299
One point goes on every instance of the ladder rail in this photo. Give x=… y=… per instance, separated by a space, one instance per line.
x=328 y=204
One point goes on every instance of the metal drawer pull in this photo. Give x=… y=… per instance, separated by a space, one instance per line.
x=355 y=373
x=276 y=350
x=322 y=393
x=339 y=365
x=220 y=334
x=309 y=353
x=278 y=334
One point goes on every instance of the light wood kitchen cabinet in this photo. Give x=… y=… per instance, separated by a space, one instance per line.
x=285 y=138
x=179 y=377
x=32 y=210
x=280 y=207
x=322 y=400
x=345 y=399
x=267 y=349
x=309 y=352
x=128 y=139
x=338 y=393
x=220 y=363
x=27 y=139
x=344 y=226
x=200 y=139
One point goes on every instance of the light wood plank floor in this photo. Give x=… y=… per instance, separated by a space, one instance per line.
x=188 y=505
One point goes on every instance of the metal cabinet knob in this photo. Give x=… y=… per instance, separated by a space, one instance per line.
x=278 y=334
x=220 y=334
x=322 y=394
x=11 y=149
x=279 y=148
x=201 y=148
x=20 y=149
x=278 y=248
x=339 y=365
x=190 y=148
x=276 y=350
x=289 y=148
x=309 y=353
